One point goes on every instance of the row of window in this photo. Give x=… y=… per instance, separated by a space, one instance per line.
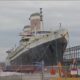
x=71 y=55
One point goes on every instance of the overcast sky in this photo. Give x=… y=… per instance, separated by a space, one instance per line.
x=14 y=16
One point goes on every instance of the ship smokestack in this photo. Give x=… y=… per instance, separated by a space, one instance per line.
x=35 y=22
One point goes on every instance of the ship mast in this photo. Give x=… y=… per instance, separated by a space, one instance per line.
x=41 y=19
x=60 y=25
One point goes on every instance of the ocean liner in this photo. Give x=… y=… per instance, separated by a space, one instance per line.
x=38 y=45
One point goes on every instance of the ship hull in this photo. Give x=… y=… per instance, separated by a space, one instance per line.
x=50 y=52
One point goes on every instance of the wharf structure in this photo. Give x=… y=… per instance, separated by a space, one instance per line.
x=72 y=54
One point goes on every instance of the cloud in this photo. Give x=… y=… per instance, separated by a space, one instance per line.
x=3 y=55
x=15 y=12
x=22 y=4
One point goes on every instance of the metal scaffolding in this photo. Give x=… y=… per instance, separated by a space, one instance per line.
x=71 y=54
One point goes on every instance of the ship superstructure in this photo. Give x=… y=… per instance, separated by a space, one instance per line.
x=38 y=45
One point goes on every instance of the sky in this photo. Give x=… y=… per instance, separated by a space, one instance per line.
x=14 y=15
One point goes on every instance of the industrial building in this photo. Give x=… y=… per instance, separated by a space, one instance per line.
x=72 y=54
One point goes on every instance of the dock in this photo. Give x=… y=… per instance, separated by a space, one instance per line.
x=35 y=76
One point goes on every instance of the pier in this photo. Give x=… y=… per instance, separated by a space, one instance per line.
x=35 y=77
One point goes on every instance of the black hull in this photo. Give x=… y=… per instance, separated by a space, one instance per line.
x=51 y=53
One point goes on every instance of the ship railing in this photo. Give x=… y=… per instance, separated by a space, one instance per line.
x=18 y=49
x=36 y=39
